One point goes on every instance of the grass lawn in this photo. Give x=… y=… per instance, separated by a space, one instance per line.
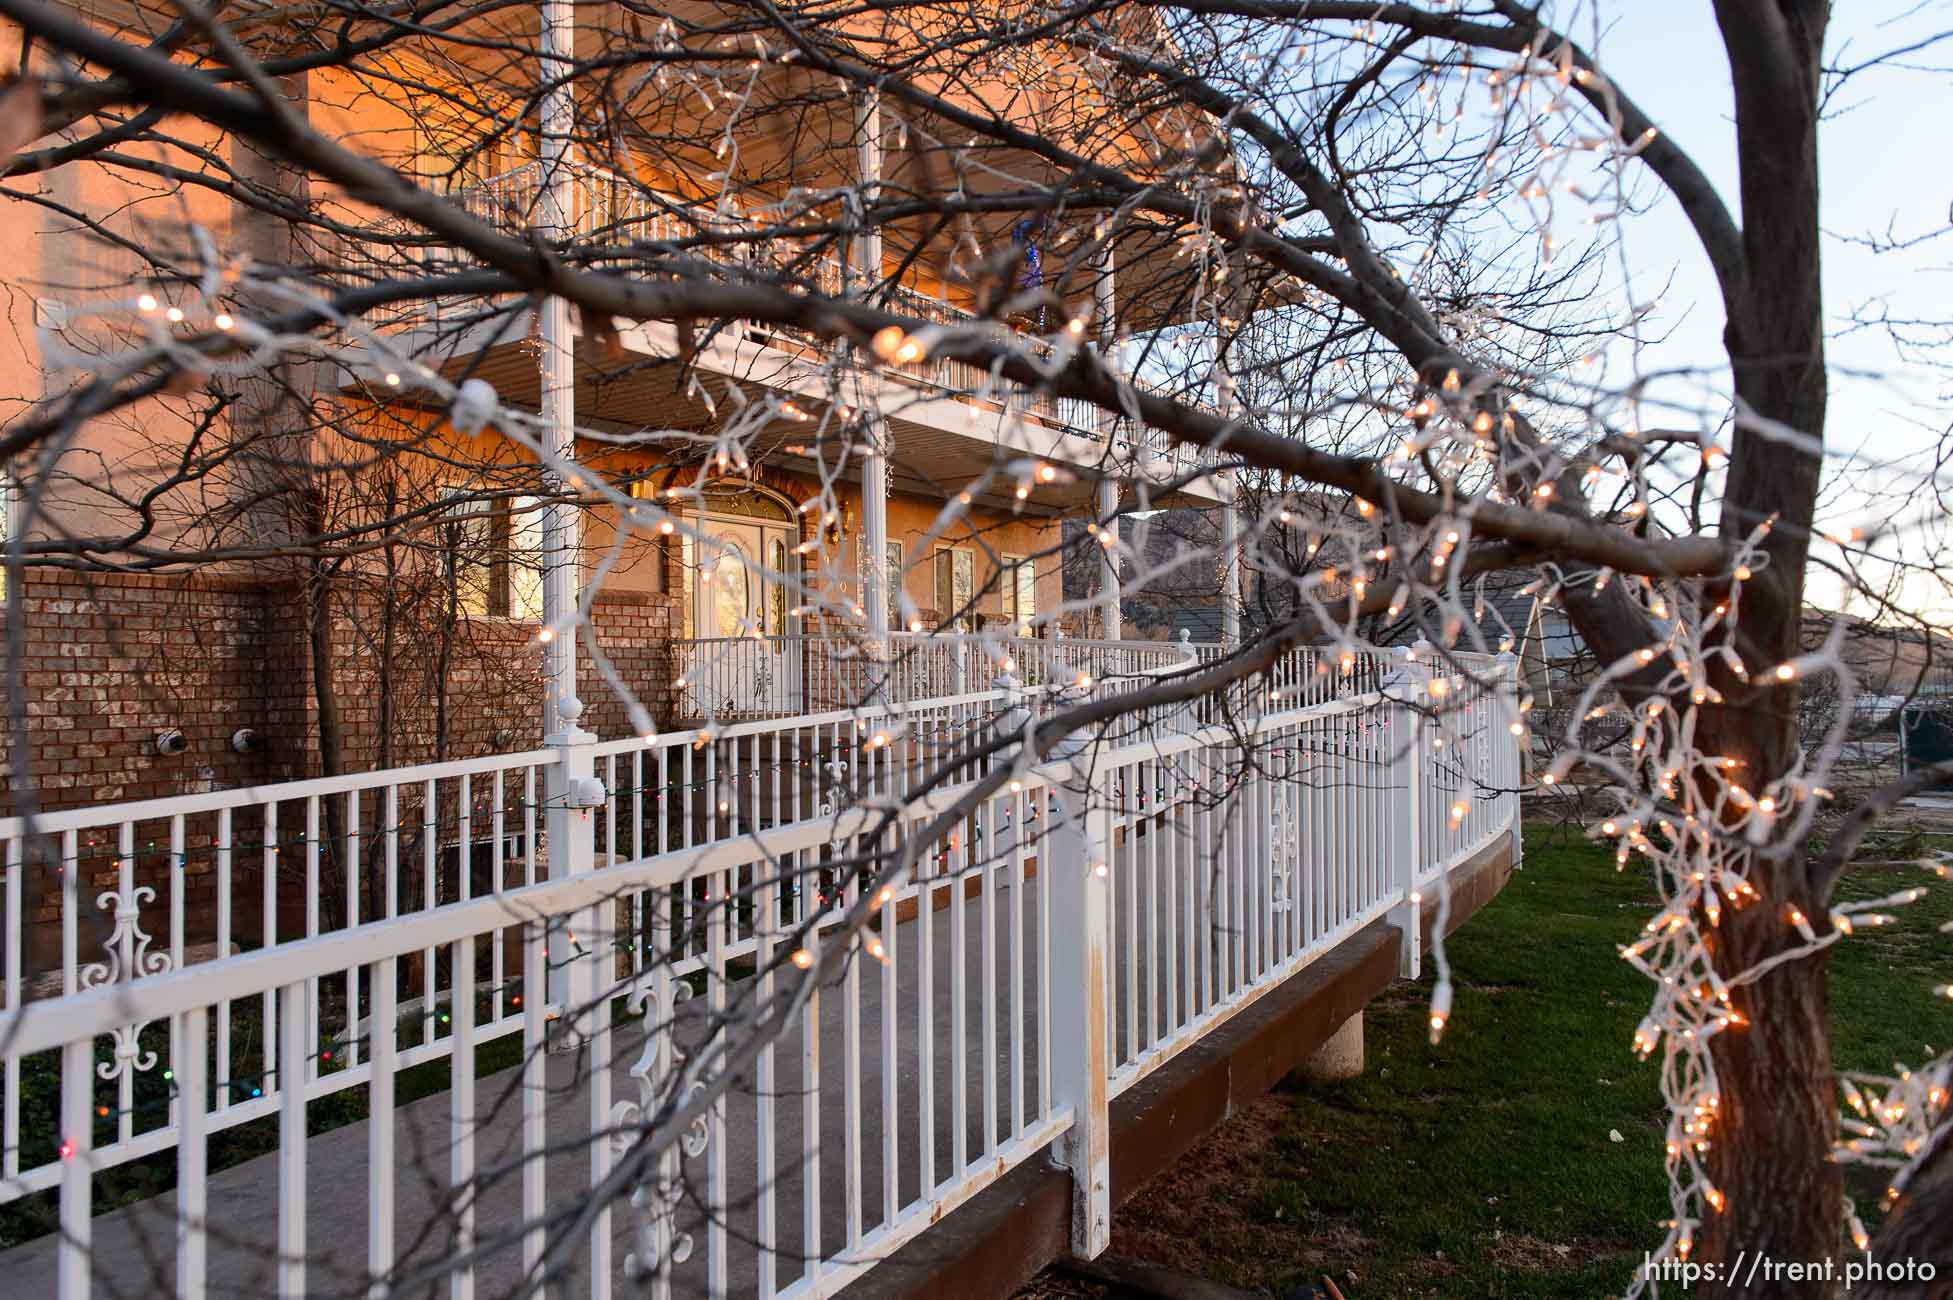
x=1522 y=1156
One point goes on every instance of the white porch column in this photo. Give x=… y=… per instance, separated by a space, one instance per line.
x=1109 y=592
x=867 y=254
x=1106 y=307
x=557 y=364
x=1230 y=563
x=874 y=534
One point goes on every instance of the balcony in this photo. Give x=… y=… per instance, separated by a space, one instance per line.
x=944 y=413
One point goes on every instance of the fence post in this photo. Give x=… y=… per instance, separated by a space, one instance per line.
x=1512 y=771
x=576 y=952
x=1080 y=863
x=1404 y=688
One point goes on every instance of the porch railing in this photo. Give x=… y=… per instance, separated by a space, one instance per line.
x=748 y=677
x=1092 y=917
x=607 y=206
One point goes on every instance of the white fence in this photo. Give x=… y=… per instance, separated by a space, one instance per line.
x=1076 y=929
x=746 y=677
x=608 y=208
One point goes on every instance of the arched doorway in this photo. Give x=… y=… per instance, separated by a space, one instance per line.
x=743 y=654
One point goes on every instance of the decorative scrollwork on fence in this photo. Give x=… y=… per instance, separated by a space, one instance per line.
x=129 y=1054
x=656 y=1244
x=1285 y=847
x=127 y=944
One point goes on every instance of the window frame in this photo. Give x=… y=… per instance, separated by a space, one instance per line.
x=497 y=593
x=1019 y=592
x=948 y=560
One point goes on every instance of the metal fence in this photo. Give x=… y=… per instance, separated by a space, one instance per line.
x=1071 y=932
x=612 y=209
x=756 y=677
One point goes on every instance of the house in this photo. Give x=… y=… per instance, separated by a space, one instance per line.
x=152 y=668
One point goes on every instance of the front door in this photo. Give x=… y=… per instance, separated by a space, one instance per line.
x=744 y=662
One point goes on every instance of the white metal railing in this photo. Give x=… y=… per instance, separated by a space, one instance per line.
x=747 y=677
x=1072 y=932
x=607 y=206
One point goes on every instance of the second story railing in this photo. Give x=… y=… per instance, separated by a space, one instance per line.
x=607 y=207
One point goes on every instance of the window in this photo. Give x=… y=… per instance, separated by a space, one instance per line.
x=9 y=507
x=493 y=550
x=1020 y=592
x=955 y=584
x=464 y=144
x=777 y=559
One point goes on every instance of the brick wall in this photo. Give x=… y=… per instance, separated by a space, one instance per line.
x=112 y=660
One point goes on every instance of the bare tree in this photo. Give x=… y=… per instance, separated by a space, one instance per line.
x=1342 y=274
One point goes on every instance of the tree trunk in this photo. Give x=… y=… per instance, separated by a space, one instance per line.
x=1771 y=1146
x=1770 y=1152
x=325 y=691
x=1916 y=1234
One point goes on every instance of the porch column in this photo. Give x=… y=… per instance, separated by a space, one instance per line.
x=1106 y=308
x=557 y=366
x=1109 y=592
x=867 y=254
x=874 y=532
x=1230 y=562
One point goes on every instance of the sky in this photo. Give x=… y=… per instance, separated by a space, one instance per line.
x=1885 y=159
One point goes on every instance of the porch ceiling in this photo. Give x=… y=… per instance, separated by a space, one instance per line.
x=942 y=443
